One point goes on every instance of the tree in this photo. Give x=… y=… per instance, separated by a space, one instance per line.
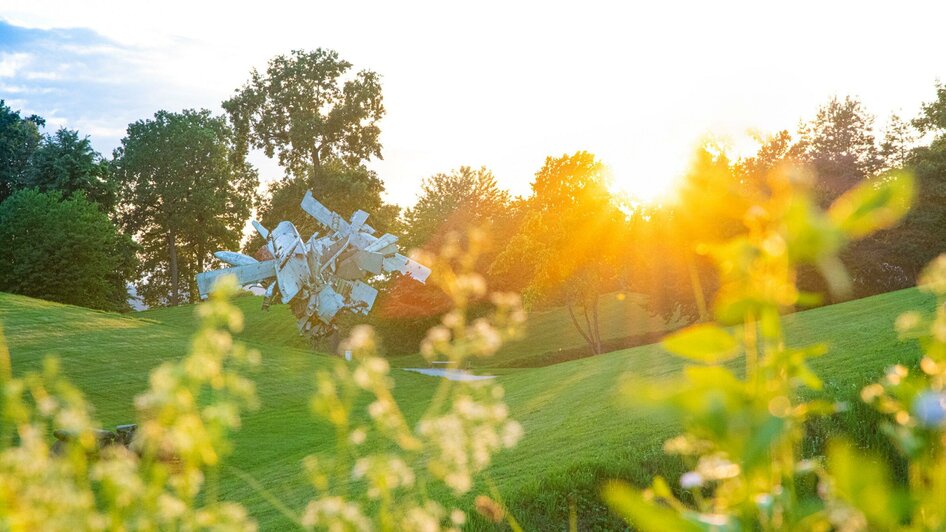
x=455 y=202
x=306 y=112
x=570 y=240
x=839 y=146
x=185 y=192
x=922 y=235
x=340 y=187
x=67 y=163
x=774 y=151
x=19 y=138
x=899 y=137
x=63 y=250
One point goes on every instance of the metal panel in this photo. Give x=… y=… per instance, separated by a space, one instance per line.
x=247 y=274
x=329 y=303
x=363 y=296
x=235 y=259
x=324 y=216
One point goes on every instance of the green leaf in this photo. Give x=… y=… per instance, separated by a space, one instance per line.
x=641 y=514
x=864 y=482
x=873 y=205
x=705 y=342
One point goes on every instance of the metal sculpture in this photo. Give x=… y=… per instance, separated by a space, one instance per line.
x=322 y=276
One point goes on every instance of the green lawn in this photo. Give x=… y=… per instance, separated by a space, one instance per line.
x=547 y=331
x=577 y=430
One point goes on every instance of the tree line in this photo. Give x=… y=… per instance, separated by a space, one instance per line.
x=78 y=227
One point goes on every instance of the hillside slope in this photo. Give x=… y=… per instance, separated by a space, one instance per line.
x=547 y=331
x=577 y=432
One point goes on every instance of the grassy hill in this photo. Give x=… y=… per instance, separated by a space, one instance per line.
x=577 y=430
x=547 y=332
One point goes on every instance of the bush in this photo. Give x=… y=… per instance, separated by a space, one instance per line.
x=63 y=250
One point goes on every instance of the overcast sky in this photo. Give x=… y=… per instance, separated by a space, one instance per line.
x=500 y=84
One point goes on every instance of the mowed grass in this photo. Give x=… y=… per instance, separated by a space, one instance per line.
x=547 y=331
x=578 y=429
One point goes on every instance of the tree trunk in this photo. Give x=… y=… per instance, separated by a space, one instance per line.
x=591 y=335
x=571 y=312
x=192 y=282
x=698 y=295
x=175 y=295
x=596 y=324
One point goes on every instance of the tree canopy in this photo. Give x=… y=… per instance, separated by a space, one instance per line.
x=840 y=147
x=67 y=163
x=307 y=108
x=455 y=202
x=65 y=250
x=185 y=192
x=19 y=138
x=569 y=240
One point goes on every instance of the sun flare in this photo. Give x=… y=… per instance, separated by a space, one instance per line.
x=645 y=189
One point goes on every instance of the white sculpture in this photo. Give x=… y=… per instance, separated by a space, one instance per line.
x=321 y=276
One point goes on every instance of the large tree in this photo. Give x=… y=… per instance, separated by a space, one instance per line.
x=307 y=108
x=455 y=202
x=19 y=138
x=67 y=163
x=321 y=121
x=186 y=191
x=839 y=146
x=922 y=235
x=64 y=250
x=569 y=242
x=899 y=140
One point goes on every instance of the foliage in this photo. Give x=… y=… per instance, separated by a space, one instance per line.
x=899 y=138
x=568 y=245
x=914 y=404
x=19 y=138
x=185 y=192
x=184 y=420
x=68 y=164
x=308 y=109
x=63 y=250
x=743 y=434
x=459 y=201
x=462 y=202
x=839 y=146
x=920 y=238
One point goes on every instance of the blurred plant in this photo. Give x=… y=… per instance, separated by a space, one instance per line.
x=184 y=420
x=915 y=405
x=360 y=487
x=743 y=429
x=167 y=478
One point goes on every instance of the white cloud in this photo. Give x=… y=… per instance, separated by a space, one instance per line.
x=10 y=64
x=40 y=75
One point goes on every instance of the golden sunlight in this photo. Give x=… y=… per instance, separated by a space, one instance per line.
x=652 y=188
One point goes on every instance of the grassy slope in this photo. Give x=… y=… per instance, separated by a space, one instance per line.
x=109 y=356
x=548 y=330
x=576 y=432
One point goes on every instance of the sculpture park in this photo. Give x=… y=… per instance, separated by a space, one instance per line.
x=479 y=267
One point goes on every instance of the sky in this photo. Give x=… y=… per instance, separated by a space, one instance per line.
x=495 y=84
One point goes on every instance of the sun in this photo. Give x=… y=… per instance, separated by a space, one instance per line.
x=652 y=190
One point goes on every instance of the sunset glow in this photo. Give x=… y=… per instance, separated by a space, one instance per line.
x=651 y=189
